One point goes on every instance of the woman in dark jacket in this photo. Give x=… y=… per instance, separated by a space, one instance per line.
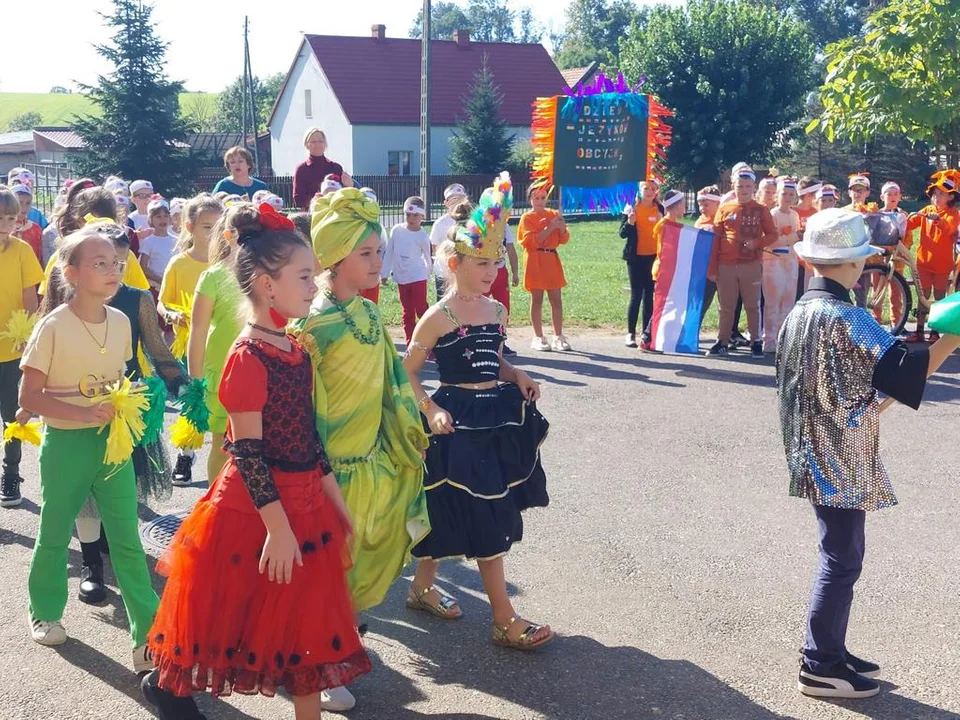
x=639 y=252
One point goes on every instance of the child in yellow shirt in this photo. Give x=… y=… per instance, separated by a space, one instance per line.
x=181 y=278
x=20 y=273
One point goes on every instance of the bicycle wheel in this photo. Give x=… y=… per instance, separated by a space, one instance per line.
x=886 y=295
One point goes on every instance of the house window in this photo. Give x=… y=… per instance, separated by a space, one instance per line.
x=308 y=103
x=398 y=162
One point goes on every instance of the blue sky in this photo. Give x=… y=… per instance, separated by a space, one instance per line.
x=206 y=41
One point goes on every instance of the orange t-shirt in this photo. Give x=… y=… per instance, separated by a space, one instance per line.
x=938 y=237
x=804 y=214
x=542 y=269
x=647 y=218
x=658 y=239
x=737 y=224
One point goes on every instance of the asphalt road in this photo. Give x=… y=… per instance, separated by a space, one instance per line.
x=670 y=560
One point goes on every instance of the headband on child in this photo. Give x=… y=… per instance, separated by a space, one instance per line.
x=673 y=200
x=889 y=186
x=747 y=174
x=22 y=188
x=412 y=209
x=826 y=192
x=453 y=191
x=810 y=190
x=859 y=178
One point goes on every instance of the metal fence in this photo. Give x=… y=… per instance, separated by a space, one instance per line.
x=391 y=190
x=48 y=178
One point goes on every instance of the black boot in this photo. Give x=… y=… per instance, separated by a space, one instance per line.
x=168 y=705
x=183 y=472
x=104 y=547
x=92 y=590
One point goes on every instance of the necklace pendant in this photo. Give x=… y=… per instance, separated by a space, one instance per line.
x=103 y=351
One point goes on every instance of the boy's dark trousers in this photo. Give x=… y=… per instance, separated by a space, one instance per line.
x=841 y=560
x=9 y=389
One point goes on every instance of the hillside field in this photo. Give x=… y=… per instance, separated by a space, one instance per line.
x=59 y=109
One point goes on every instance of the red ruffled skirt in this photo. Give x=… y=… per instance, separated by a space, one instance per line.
x=223 y=627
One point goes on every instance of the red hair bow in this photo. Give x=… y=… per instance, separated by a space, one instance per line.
x=270 y=219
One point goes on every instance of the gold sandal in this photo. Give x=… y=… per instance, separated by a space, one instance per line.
x=442 y=609
x=525 y=641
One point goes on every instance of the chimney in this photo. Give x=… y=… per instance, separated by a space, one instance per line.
x=378 y=32
x=461 y=38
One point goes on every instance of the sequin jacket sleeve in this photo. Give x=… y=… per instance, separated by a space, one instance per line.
x=154 y=346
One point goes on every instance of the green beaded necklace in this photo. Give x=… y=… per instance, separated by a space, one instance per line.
x=372 y=337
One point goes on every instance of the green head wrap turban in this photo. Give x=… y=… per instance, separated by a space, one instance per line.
x=341 y=222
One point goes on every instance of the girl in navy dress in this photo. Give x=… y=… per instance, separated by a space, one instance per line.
x=483 y=463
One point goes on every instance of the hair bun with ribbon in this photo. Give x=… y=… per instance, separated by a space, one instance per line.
x=267 y=219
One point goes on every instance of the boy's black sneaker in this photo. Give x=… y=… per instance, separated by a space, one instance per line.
x=756 y=350
x=508 y=351
x=837 y=682
x=183 y=472
x=92 y=590
x=718 y=348
x=10 y=490
x=168 y=705
x=863 y=667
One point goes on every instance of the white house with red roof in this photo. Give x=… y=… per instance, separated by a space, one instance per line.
x=364 y=93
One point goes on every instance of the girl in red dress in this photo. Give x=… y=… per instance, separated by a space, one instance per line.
x=256 y=597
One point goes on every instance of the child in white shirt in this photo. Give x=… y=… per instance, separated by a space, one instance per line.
x=453 y=195
x=156 y=249
x=408 y=260
x=780 y=264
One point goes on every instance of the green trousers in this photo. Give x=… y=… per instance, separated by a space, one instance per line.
x=72 y=469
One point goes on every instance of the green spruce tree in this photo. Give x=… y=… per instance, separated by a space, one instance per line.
x=139 y=125
x=481 y=143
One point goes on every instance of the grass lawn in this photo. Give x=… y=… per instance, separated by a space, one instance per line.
x=597 y=288
x=60 y=109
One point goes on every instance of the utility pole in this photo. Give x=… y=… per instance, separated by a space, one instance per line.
x=425 y=107
x=250 y=99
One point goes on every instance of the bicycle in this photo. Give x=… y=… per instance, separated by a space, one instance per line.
x=882 y=280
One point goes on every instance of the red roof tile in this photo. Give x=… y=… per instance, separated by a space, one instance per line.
x=64 y=137
x=575 y=76
x=378 y=81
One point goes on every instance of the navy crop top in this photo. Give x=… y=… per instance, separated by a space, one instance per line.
x=470 y=353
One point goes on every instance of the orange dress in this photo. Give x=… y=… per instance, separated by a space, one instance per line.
x=542 y=269
x=221 y=625
x=935 y=251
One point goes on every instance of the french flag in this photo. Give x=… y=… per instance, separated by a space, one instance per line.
x=678 y=296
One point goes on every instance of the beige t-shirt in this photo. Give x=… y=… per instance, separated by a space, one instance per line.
x=62 y=349
x=788 y=227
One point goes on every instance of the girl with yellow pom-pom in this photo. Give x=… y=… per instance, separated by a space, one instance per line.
x=20 y=273
x=180 y=280
x=73 y=367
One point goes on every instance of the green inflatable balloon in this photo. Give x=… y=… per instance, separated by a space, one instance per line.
x=945 y=315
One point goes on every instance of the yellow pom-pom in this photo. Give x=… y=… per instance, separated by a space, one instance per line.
x=184 y=435
x=181 y=332
x=28 y=433
x=146 y=369
x=127 y=426
x=19 y=328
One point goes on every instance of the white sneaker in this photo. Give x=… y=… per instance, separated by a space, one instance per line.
x=337 y=699
x=47 y=633
x=560 y=344
x=630 y=340
x=142 y=659
x=540 y=344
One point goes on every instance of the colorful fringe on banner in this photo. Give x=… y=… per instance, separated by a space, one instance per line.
x=601 y=95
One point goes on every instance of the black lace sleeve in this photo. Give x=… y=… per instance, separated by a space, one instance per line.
x=155 y=348
x=253 y=468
